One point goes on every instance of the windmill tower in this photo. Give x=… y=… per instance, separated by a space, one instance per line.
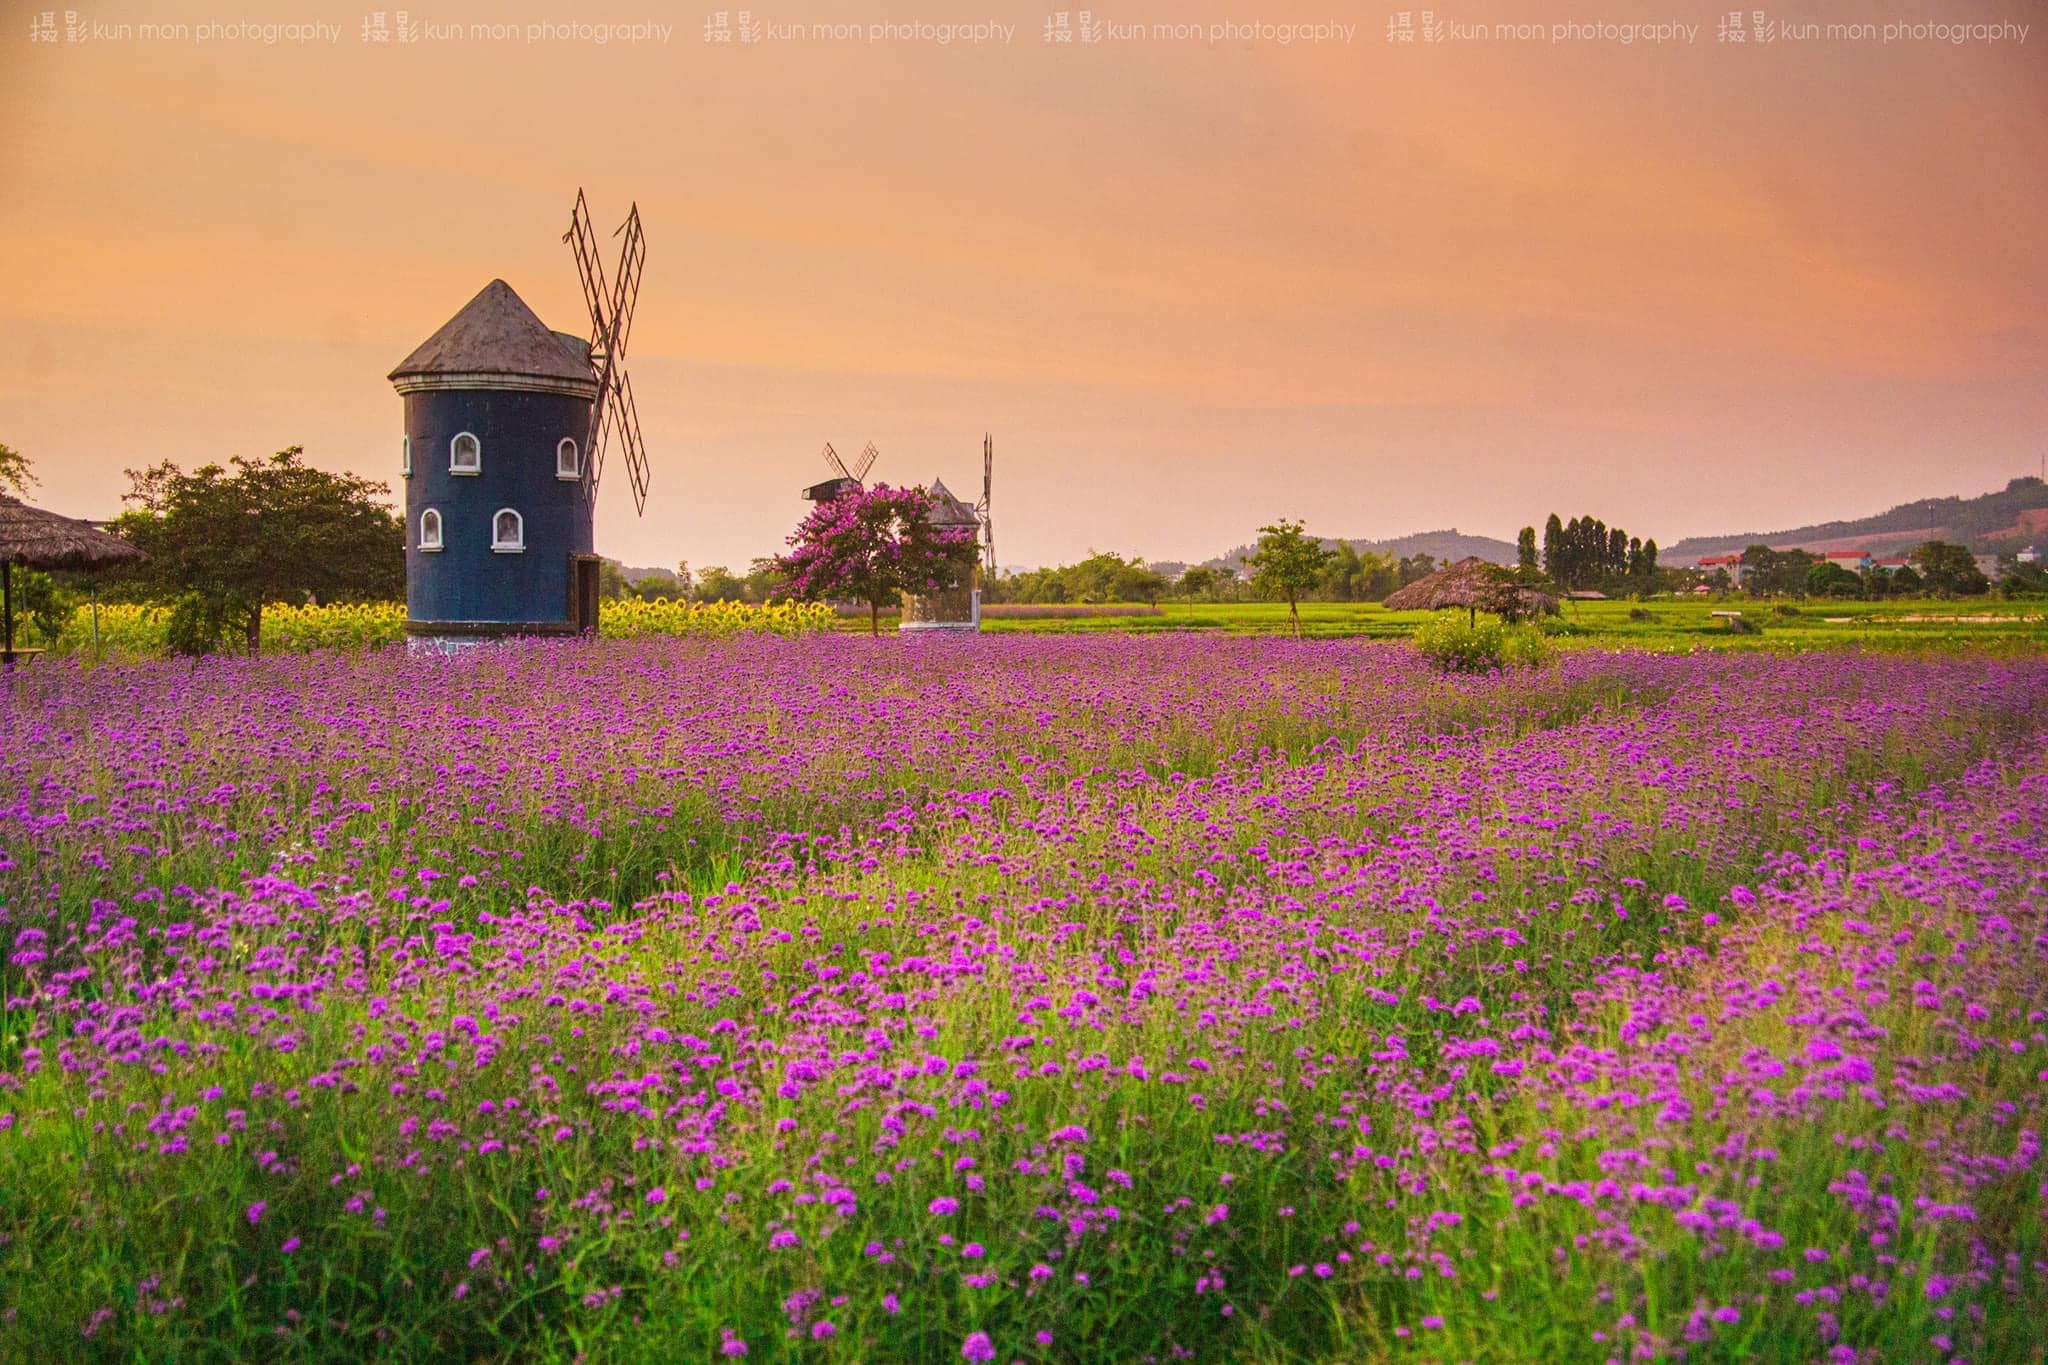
x=507 y=424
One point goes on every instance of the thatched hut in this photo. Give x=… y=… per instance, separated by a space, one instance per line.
x=36 y=539
x=1473 y=584
x=959 y=608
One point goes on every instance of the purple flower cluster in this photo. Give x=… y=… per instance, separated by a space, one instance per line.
x=860 y=1001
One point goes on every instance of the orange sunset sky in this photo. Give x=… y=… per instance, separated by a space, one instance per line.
x=1190 y=285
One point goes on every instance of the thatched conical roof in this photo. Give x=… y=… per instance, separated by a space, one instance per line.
x=1467 y=583
x=44 y=540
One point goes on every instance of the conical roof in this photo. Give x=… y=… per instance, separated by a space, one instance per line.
x=495 y=337
x=948 y=510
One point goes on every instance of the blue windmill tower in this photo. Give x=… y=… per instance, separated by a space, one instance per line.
x=506 y=429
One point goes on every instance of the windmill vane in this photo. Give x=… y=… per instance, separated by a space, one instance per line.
x=615 y=418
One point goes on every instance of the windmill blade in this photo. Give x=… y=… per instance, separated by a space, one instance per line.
x=832 y=459
x=582 y=240
x=597 y=297
x=626 y=416
x=626 y=288
x=613 y=415
x=988 y=501
x=865 y=462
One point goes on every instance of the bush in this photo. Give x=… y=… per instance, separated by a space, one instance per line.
x=196 y=625
x=1641 y=614
x=1455 y=646
x=1783 y=609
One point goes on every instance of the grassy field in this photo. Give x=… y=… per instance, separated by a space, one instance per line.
x=1671 y=625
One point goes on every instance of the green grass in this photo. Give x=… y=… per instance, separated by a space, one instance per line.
x=1674 y=625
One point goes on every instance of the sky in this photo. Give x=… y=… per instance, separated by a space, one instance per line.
x=1196 y=266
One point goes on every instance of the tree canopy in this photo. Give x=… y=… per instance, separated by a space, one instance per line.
x=223 y=541
x=873 y=545
x=1949 y=570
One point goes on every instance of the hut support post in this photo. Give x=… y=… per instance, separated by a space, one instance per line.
x=7 y=609
x=93 y=590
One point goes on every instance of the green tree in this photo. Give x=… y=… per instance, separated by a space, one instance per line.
x=1287 y=564
x=1949 y=570
x=2023 y=580
x=1525 y=548
x=230 y=539
x=15 y=475
x=1198 y=581
x=1553 y=548
x=611 y=580
x=716 y=583
x=1825 y=579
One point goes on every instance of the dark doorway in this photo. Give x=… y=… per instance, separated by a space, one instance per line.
x=583 y=593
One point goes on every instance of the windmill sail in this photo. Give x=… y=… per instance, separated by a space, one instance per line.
x=613 y=415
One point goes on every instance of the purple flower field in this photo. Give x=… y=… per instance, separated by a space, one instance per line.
x=1024 y=999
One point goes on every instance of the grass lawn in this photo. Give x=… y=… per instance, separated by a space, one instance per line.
x=1672 y=624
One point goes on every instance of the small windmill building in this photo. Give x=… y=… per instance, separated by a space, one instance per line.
x=506 y=426
x=959 y=608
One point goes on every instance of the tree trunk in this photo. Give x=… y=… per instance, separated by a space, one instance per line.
x=7 y=606
x=1294 y=614
x=253 y=630
x=875 y=620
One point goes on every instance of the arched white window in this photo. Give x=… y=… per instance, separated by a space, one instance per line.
x=568 y=460
x=465 y=455
x=508 y=532
x=405 y=458
x=430 y=531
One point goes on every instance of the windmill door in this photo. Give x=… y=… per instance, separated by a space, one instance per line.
x=583 y=593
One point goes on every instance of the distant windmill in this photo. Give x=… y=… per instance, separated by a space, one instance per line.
x=849 y=480
x=614 y=416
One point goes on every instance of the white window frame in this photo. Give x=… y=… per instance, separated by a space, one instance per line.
x=440 y=535
x=405 y=457
x=508 y=547
x=575 y=452
x=455 y=468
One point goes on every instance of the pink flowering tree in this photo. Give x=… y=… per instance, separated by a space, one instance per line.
x=874 y=545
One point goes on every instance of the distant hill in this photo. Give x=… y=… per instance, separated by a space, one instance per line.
x=1446 y=546
x=1993 y=523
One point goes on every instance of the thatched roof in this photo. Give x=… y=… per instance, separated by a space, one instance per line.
x=44 y=540
x=496 y=340
x=1467 y=584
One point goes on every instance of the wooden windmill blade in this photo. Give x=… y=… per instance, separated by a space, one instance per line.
x=862 y=465
x=986 y=508
x=626 y=289
x=582 y=240
x=612 y=413
x=626 y=418
x=831 y=458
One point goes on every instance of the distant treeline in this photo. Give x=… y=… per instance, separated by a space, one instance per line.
x=1351 y=576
